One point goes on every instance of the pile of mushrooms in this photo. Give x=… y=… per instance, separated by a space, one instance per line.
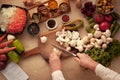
x=70 y=39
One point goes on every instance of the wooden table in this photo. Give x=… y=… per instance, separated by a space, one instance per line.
x=38 y=69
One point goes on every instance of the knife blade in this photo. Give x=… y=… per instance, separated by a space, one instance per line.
x=63 y=50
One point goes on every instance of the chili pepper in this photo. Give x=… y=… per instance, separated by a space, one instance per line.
x=5 y=50
x=115 y=30
x=69 y=27
x=4 y=44
x=90 y=28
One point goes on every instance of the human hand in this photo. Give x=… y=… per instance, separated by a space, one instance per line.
x=54 y=62
x=86 y=61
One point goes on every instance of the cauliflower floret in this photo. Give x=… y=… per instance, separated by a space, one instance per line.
x=73 y=43
x=80 y=48
x=69 y=34
x=75 y=35
x=79 y=42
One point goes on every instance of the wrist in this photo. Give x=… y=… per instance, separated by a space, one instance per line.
x=93 y=65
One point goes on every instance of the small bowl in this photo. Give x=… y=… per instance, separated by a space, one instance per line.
x=33 y=29
x=65 y=18
x=51 y=24
x=103 y=11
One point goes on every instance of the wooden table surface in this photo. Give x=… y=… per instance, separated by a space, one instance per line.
x=38 y=69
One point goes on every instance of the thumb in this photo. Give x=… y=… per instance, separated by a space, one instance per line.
x=77 y=59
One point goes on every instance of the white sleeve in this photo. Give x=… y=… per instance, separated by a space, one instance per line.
x=57 y=75
x=106 y=74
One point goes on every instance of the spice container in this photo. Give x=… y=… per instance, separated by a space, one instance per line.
x=65 y=18
x=33 y=29
x=51 y=24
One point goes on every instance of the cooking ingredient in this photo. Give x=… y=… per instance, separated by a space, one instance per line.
x=33 y=29
x=77 y=23
x=10 y=36
x=116 y=28
x=105 y=6
x=13 y=56
x=108 y=17
x=5 y=50
x=89 y=28
x=115 y=15
x=2 y=45
x=28 y=2
x=88 y=9
x=113 y=25
x=19 y=46
x=18 y=22
x=100 y=56
x=43 y=39
x=113 y=48
x=97 y=34
x=64 y=7
x=51 y=23
x=99 y=17
x=52 y=4
x=35 y=17
x=42 y=9
x=3 y=57
x=79 y=3
x=65 y=18
x=2 y=37
x=2 y=65
x=104 y=26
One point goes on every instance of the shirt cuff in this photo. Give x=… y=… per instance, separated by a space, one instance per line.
x=57 y=75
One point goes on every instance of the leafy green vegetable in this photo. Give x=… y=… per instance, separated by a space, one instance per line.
x=105 y=56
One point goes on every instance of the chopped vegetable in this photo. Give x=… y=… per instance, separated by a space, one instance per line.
x=19 y=46
x=13 y=56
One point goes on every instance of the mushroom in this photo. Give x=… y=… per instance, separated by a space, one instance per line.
x=85 y=40
x=43 y=39
x=97 y=34
x=107 y=33
x=104 y=46
x=104 y=39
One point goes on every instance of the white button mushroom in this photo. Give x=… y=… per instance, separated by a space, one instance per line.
x=109 y=39
x=43 y=39
x=80 y=48
x=92 y=40
x=99 y=41
x=107 y=33
x=90 y=35
x=104 y=39
x=96 y=27
x=86 y=40
x=104 y=46
x=97 y=34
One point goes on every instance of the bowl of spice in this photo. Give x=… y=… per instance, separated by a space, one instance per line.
x=33 y=29
x=65 y=18
x=51 y=24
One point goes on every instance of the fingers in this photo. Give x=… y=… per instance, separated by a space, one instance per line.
x=77 y=59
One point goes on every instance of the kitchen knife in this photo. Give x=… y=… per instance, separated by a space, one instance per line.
x=63 y=50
